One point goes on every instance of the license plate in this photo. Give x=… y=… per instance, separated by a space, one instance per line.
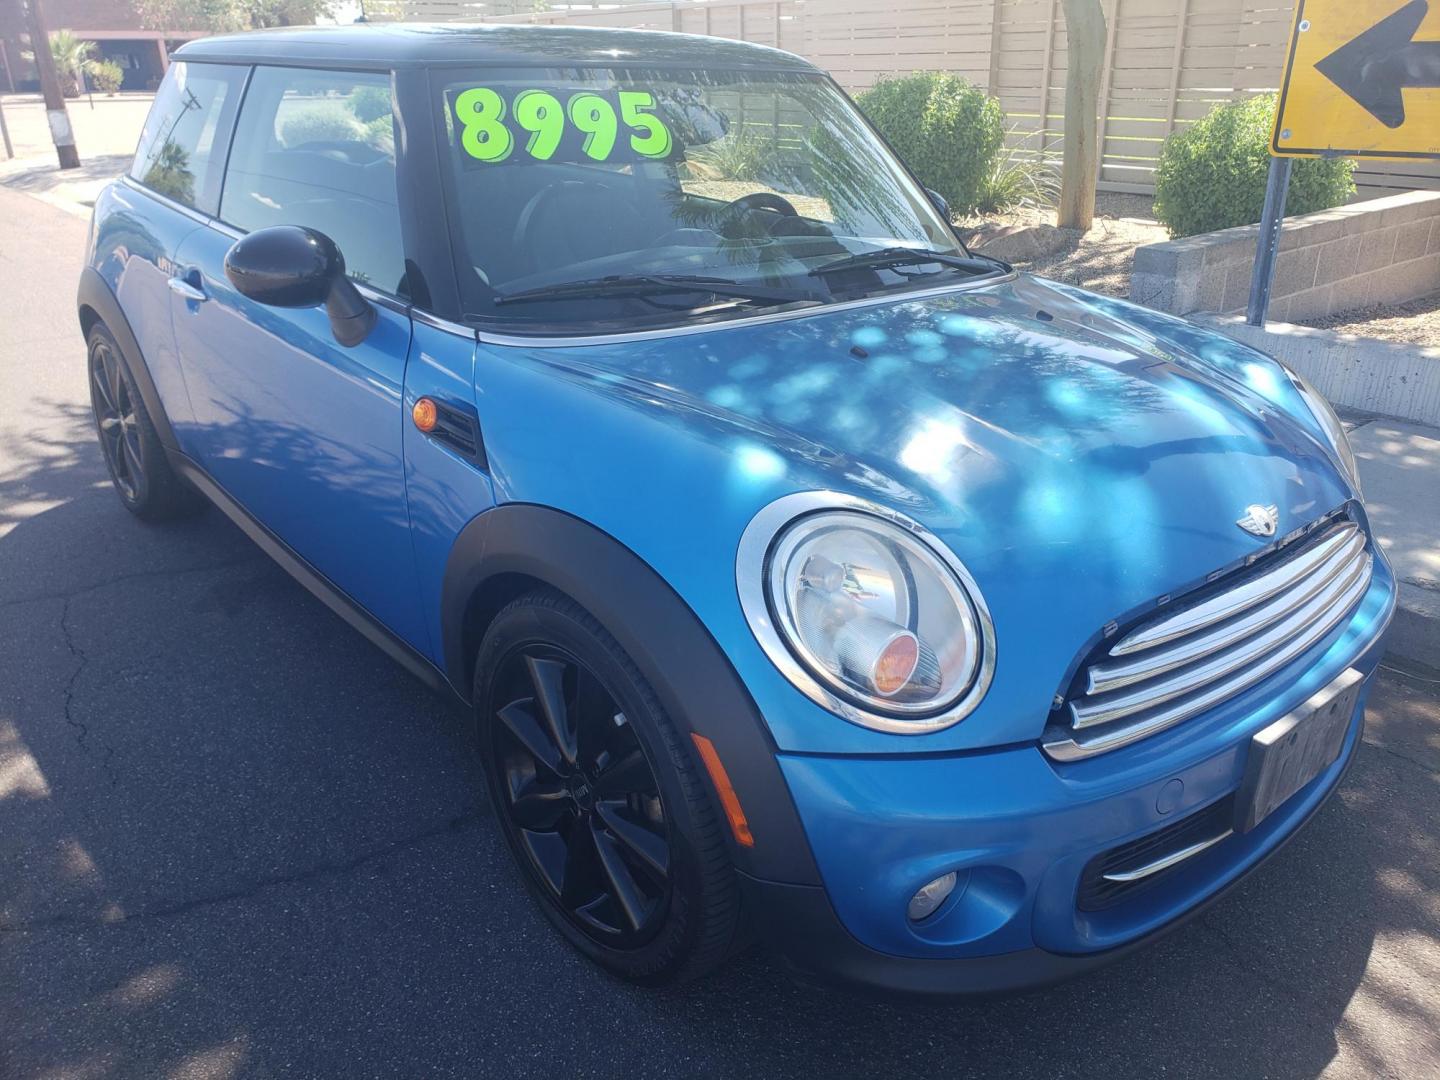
x=1295 y=749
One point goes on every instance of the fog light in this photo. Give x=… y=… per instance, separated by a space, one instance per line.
x=930 y=897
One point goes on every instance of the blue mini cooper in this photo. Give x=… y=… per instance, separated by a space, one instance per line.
x=807 y=575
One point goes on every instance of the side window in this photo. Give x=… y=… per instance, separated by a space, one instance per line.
x=182 y=147
x=317 y=148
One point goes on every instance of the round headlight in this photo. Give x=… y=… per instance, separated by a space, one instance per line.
x=866 y=612
x=1330 y=423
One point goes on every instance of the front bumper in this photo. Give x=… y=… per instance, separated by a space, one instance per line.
x=1020 y=829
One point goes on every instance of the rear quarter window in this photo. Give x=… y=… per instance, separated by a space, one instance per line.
x=182 y=147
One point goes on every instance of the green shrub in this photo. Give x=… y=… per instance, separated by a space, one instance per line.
x=380 y=133
x=330 y=122
x=370 y=103
x=1212 y=175
x=1018 y=179
x=106 y=75
x=737 y=156
x=948 y=131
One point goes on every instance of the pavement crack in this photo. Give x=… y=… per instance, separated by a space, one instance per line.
x=78 y=654
x=82 y=730
x=308 y=875
x=168 y=571
x=1245 y=958
x=1403 y=757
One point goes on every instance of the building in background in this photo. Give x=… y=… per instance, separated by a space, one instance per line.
x=113 y=25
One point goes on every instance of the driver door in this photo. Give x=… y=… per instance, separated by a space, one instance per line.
x=300 y=430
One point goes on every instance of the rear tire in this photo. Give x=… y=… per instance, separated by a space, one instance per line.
x=139 y=469
x=599 y=797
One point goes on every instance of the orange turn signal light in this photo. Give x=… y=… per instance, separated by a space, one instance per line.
x=729 y=801
x=425 y=414
x=897 y=662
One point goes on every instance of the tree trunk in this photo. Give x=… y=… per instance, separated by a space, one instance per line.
x=1085 y=33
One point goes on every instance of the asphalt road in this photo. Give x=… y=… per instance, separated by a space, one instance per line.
x=235 y=840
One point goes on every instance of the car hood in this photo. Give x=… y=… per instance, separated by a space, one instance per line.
x=1082 y=457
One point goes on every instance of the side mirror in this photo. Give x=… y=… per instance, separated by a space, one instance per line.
x=940 y=204
x=292 y=266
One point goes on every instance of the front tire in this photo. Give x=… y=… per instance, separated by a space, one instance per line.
x=599 y=798
x=141 y=473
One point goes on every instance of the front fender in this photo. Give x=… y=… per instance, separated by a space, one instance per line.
x=689 y=673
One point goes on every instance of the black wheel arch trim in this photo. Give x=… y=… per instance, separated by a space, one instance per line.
x=690 y=674
x=95 y=293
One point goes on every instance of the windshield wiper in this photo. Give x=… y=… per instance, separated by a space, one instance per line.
x=644 y=285
x=883 y=258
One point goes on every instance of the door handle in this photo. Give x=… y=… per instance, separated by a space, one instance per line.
x=188 y=289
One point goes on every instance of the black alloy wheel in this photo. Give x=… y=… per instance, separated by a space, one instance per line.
x=144 y=479
x=600 y=796
x=580 y=797
x=116 y=420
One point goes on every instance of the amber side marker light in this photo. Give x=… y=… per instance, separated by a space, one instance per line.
x=728 y=799
x=425 y=415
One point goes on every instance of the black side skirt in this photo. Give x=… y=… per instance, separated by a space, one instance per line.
x=327 y=591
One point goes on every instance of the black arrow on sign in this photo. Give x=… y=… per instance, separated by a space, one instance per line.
x=1374 y=67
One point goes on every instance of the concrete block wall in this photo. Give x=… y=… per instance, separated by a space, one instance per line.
x=1364 y=374
x=1373 y=252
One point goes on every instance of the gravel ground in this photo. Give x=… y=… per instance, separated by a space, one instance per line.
x=1101 y=259
x=1416 y=322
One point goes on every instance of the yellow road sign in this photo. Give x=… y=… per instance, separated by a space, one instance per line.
x=1362 y=80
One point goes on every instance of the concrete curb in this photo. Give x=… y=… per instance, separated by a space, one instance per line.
x=1399 y=461
x=1414 y=634
x=1400 y=470
x=73 y=191
x=1381 y=378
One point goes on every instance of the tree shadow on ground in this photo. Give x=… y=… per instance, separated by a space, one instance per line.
x=239 y=841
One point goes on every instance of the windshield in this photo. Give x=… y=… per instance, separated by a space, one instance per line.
x=624 y=198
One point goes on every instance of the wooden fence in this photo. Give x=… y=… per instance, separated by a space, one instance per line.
x=1167 y=62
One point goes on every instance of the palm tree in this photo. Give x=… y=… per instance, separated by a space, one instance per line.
x=72 y=56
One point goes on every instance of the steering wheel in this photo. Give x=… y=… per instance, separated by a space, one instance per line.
x=762 y=200
x=734 y=222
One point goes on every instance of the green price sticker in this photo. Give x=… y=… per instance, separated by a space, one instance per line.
x=534 y=126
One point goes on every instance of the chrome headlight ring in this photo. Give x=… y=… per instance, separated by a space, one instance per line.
x=767 y=564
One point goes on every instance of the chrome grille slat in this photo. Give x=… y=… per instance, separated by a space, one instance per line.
x=1145 y=725
x=1228 y=603
x=1193 y=659
x=1217 y=667
x=1216 y=636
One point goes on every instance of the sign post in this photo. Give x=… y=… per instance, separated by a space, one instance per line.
x=1361 y=80
x=1276 y=186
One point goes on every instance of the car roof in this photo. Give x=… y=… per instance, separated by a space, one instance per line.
x=390 y=45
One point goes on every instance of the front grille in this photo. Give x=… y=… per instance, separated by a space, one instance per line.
x=1122 y=872
x=1241 y=629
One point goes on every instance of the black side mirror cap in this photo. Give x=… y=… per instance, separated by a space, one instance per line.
x=940 y=203
x=292 y=266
